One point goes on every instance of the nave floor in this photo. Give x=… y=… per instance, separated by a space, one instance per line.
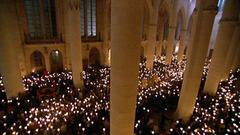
x=51 y=105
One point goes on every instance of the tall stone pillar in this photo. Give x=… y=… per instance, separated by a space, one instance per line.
x=170 y=43
x=164 y=46
x=106 y=32
x=182 y=45
x=231 y=52
x=65 y=34
x=152 y=31
x=48 y=62
x=126 y=40
x=160 y=42
x=203 y=18
x=158 y=48
x=73 y=38
x=227 y=25
x=10 y=41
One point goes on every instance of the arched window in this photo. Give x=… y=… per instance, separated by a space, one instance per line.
x=37 y=61
x=94 y=56
x=41 y=19
x=56 y=61
x=88 y=19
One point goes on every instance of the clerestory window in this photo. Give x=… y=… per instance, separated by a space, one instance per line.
x=41 y=19
x=88 y=19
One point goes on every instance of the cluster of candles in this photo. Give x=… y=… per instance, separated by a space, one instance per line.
x=46 y=80
x=58 y=115
x=52 y=116
x=217 y=114
x=2 y=91
x=162 y=83
x=220 y=116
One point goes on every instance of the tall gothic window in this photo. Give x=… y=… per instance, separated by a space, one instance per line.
x=88 y=18
x=41 y=19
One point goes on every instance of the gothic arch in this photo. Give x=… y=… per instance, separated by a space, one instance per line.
x=94 y=56
x=145 y=22
x=163 y=21
x=37 y=61
x=56 y=61
x=181 y=23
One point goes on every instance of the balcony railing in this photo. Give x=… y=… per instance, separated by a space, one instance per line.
x=32 y=38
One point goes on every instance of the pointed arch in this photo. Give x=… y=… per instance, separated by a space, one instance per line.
x=163 y=21
x=94 y=56
x=145 y=21
x=37 y=61
x=181 y=23
x=56 y=61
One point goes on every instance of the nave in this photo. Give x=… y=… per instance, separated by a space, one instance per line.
x=51 y=105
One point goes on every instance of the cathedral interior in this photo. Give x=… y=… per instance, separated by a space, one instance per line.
x=119 y=67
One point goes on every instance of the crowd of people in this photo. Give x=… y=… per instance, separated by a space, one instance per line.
x=66 y=113
x=217 y=114
x=51 y=105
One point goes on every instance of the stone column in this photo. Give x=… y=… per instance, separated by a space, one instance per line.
x=152 y=32
x=28 y=62
x=231 y=52
x=126 y=40
x=160 y=43
x=48 y=62
x=182 y=45
x=64 y=9
x=152 y=35
x=203 y=19
x=227 y=25
x=73 y=37
x=106 y=29
x=164 y=46
x=66 y=33
x=170 y=43
x=158 y=49
x=10 y=41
